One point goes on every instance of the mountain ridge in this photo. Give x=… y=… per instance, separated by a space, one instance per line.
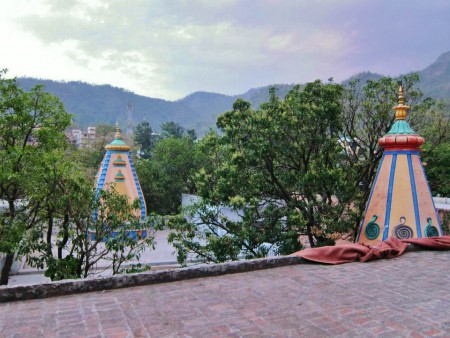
x=100 y=104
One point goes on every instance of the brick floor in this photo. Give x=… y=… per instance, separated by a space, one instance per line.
x=407 y=296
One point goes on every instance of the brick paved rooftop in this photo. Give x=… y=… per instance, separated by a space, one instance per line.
x=406 y=296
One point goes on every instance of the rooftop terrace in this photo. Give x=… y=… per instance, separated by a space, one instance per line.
x=405 y=296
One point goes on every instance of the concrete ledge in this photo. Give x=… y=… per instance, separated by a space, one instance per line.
x=66 y=287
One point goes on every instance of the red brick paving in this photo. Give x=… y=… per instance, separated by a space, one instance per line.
x=403 y=297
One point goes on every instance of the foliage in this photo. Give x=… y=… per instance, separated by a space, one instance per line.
x=278 y=170
x=174 y=130
x=166 y=175
x=51 y=200
x=438 y=169
x=31 y=125
x=82 y=240
x=145 y=139
x=65 y=268
x=136 y=268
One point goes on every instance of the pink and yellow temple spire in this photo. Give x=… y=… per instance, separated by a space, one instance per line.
x=400 y=203
x=117 y=169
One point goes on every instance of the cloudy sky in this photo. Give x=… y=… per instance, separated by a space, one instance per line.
x=168 y=49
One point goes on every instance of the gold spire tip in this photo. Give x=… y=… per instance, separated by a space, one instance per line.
x=401 y=98
x=118 y=135
x=401 y=110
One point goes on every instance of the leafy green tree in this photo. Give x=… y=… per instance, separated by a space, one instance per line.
x=435 y=128
x=145 y=139
x=31 y=124
x=172 y=129
x=279 y=170
x=438 y=169
x=191 y=134
x=167 y=174
x=80 y=239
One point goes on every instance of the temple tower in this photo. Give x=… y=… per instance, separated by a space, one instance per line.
x=117 y=167
x=400 y=203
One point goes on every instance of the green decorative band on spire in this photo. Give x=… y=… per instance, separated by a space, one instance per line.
x=401 y=127
x=117 y=142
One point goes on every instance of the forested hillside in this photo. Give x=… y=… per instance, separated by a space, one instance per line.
x=96 y=104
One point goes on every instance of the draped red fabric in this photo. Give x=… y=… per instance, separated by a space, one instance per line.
x=390 y=248
x=436 y=243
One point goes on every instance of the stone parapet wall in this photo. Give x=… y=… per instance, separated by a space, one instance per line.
x=52 y=289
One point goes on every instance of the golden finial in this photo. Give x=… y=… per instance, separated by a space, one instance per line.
x=401 y=98
x=118 y=135
x=401 y=110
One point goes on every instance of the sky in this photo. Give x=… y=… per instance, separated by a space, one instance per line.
x=171 y=48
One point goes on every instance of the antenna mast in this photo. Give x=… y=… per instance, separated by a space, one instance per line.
x=129 y=119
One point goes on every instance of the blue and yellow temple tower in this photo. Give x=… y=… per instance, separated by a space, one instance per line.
x=400 y=203
x=117 y=168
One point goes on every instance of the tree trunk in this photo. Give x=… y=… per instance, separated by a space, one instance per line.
x=9 y=259
x=49 y=233
x=6 y=269
x=65 y=239
x=310 y=235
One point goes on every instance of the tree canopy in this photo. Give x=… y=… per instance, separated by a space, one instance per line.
x=32 y=125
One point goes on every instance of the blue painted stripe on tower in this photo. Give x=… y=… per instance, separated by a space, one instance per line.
x=414 y=196
x=138 y=186
x=401 y=152
x=432 y=201
x=101 y=181
x=370 y=197
x=389 y=197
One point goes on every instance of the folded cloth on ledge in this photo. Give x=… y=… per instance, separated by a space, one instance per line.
x=436 y=243
x=390 y=248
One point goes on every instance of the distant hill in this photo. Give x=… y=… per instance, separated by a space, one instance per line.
x=93 y=104
x=363 y=77
x=104 y=104
x=260 y=95
x=99 y=104
x=435 y=79
x=205 y=108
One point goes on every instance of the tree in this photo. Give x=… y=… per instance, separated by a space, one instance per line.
x=145 y=139
x=167 y=174
x=66 y=223
x=438 y=169
x=279 y=171
x=31 y=124
x=172 y=129
x=191 y=134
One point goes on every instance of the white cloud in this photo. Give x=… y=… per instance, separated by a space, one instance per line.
x=170 y=48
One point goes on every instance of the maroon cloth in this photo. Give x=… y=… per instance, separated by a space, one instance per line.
x=436 y=243
x=390 y=248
